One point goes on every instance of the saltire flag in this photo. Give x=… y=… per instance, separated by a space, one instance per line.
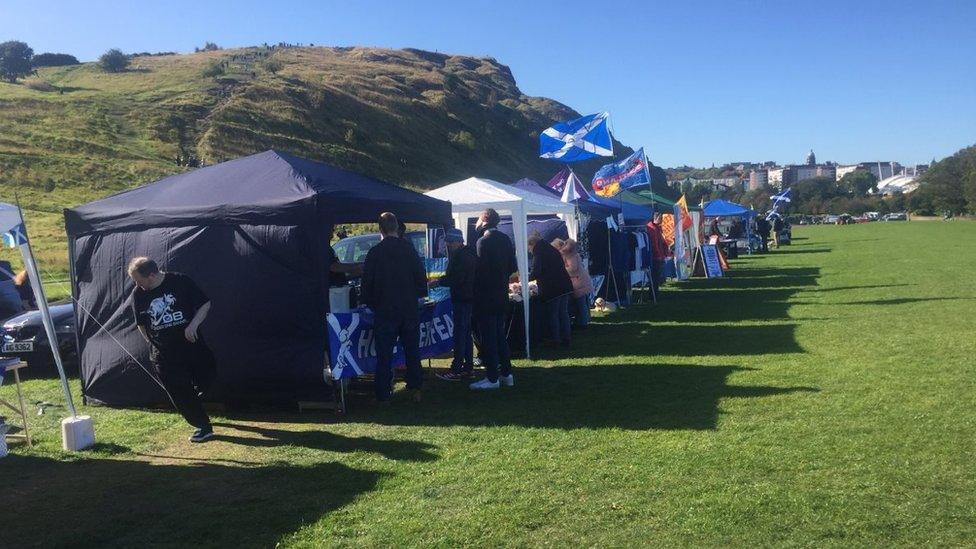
x=686 y=221
x=612 y=178
x=16 y=236
x=784 y=196
x=667 y=228
x=577 y=140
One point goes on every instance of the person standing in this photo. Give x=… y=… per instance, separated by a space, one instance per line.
x=25 y=291
x=659 y=252
x=777 y=229
x=580 y=276
x=394 y=279
x=555 y=287
x=459 y=278
x=763 y=227
x=169 y=309
x=495 y=265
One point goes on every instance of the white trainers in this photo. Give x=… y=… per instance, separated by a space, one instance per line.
x=508 y=381
x=484 y=385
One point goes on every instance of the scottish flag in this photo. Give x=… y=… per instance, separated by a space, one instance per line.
x=782 y=197
x=16 y=236
x=577 y=140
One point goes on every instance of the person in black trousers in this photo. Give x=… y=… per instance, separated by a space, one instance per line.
x=495 y=265
x=555 y=287
x=763 y=227
x=460 y=279
x=394 y=279
x=169 y=309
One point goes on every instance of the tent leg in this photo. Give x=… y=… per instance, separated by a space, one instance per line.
x=23 y=411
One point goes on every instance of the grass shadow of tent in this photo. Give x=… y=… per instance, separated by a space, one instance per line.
x=90 y=501
x=619 y=396
x=269 y=437
x=638 y=338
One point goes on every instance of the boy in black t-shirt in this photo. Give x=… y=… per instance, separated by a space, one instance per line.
x=169 y=308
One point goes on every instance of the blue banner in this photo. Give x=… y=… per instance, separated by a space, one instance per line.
x=613 y=178
x=353 y=349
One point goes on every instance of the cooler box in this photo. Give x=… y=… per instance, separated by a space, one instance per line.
x=339 y=299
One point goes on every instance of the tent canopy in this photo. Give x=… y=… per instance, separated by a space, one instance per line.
x=269 y=188
x=253 y=233
x=589 y=207
x=634 y=214
x=471 y=196
x=724 y=208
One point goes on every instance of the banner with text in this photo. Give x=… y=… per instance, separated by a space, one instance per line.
x=353 y=348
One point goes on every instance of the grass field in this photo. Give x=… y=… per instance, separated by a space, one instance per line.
x=821 y=395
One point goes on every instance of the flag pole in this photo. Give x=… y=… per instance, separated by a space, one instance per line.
x=30 y=265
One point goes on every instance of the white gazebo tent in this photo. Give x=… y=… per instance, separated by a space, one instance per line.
x=471 y=196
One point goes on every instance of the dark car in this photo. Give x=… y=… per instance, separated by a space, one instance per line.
x=23 y=336
x=353 y=249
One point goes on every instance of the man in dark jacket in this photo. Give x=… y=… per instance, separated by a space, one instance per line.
x=460 y=279
x=555 y=286
x=394 y=279
x=763 y=227
x=496 y=263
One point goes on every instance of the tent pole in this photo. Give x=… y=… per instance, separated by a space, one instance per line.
x=27 y=253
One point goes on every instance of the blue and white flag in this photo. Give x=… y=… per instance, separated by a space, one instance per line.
x=577 y=140
x=782 y=197
x=613 y=178
x=16 y=236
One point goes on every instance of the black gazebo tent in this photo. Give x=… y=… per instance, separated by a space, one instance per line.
x=253 y=233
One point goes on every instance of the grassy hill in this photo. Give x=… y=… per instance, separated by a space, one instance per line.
x=415 y=118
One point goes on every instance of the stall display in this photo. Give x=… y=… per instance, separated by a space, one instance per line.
x=253 y=232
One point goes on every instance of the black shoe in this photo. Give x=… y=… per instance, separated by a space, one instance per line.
x=202 y=435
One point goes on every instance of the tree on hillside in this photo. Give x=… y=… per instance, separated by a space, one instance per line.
x=53 y=60
x=113 y=61
x=858 y=182
x=209 y=46
x=15 y=60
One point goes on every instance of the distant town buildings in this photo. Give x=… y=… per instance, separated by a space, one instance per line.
x=754 y=176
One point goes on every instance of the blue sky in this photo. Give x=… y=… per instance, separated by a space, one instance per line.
x=693 y=82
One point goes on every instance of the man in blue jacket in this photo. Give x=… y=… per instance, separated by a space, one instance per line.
x=394 y=279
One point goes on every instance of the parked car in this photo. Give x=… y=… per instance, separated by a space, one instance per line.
x=900 y=216
x=23 y=336
x=353 y=249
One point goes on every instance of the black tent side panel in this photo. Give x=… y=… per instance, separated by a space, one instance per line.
x=266 y=325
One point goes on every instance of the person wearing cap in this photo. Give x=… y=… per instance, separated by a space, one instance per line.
x=460 y=279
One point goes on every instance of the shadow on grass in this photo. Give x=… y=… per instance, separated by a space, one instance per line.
x=324 y=440
x=606 y=339
x=800 y=250
x=865 y=287
x=100 y=502
x=904 y=300
x=699 y=306
x=623 y=396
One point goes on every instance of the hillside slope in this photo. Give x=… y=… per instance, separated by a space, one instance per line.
x=411 y=117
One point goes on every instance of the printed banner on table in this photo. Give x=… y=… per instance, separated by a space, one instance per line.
x=353 y=348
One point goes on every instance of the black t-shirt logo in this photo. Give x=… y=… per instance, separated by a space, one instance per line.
x=161 y=313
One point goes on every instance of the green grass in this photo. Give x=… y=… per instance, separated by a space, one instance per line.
x=820 y=395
